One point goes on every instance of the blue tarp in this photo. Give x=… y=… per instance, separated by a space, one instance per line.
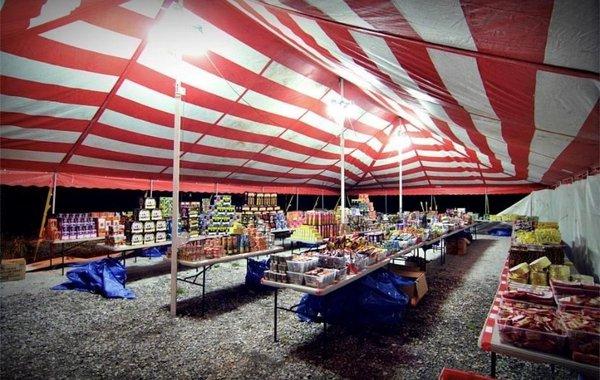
x=500 y=231
x=375 y=300
x=152 y=252
x=255 y=271
x=106 y=277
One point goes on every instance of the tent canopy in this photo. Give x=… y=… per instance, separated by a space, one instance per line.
x=491 y=96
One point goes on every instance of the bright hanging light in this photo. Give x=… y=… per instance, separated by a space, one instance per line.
x=178 y=32
x=400 y=141
x=337 y=109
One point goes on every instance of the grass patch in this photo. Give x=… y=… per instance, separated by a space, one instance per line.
x=235 y=265
x=181 y=291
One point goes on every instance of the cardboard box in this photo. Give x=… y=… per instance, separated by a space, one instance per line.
x=417 y=290
x=12 y=270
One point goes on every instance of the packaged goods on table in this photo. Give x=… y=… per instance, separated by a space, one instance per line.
x=583 y=331
x=200 y=250
x=536 y=328
x=307 y=234
x=320 y=277
x=559 y=272
x=542 y=297
x=519 y=273
x=568 y=299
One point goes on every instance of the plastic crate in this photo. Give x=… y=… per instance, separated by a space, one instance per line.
x=302 y=265
x=321 y=280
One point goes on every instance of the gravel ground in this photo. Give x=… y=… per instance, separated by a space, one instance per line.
x=52 y=334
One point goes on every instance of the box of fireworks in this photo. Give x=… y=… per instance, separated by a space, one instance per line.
x=149 y=227
x=532 y=327
x=161 y=225
x=572 y=298
x=136 y=239
x=295 y=278
x=156 y=214
x=527 y=253
x=161 y=237
x=100 y=226
x=584 y=279
x=150 y=203
x=166 y=206
x=12 y=269
x=418 y=289
x=132 y=227
x=115 y=240
x=583 y=331
x=148 y=238
x=559 y=272
x=141 y=215
x=452 y=246
x=319 y=277
x=538 y=278
x=539 y=265
x=301 y=264
x=519 y=273
x=455 y=374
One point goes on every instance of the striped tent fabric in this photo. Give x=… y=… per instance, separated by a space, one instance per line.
x=497 y=96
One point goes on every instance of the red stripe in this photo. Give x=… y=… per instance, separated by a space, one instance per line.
x=35 y=146
x=515 y=29
x=48 y=122
x=383 y=16
x=51 y=92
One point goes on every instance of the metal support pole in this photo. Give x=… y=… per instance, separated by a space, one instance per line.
x=322 y=201
x=203 y=287
x=342 y=181
x=493 y=365
x=175 y=212
x=54 y=193
x=297 y=199
x=399 y=181
x=151 y=187
x=386 y=203
x=275 y=315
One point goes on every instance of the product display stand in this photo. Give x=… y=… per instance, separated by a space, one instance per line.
x=208 y=263
x=489 y=340
x=74 y=243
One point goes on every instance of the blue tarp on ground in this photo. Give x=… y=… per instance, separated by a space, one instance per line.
x=500 y=231
x=106 y=277
x=255 y=271
x=375 y=300
x=153 y=252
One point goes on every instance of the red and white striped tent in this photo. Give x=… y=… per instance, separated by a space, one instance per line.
x=493 y=96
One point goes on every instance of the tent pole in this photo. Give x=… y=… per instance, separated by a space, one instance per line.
x=54 y=194
x=343 y=164
x=386 y=203
x=297 y=199
x=400 y=180
x=322 y=201
x=151 y=187
x=179 y=91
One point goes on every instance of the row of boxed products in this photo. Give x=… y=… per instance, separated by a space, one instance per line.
x=135 y=239
x=81 y=225
x=260 y=199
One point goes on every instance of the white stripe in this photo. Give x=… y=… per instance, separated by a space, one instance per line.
x=297 y=82
x=362 y=157
x=353 y=112
x=36 y=107
x=221 y=143
x=301 y=139
x=373 y=121
x=321 y=161
x=335 y=149
x=241 y=124
x=319 y=122
x=457 y=182
x=424 y=141
x=252 y=177
x=266 y=166
x=83 y=35
x=206 y=159
x=100 y=163
x=439 y=153
x=52 y=10
x=353 y=135
x=461 y=77
x=573 y=35
x=125 y=147
x=157 y=100
x=563 y=103
x=544 y=149
x=495 y=175
x=517 y=182
x=492 y=130
x=165 y=64
x=148 y=8
x=339 y=11
x=30 y=155
x=350 y=168
x=38 y=134
x=369 y=182
x=330 y=174
x=452 y=174
x=375 y=144
x=394 y=159
x=305 y=171
x=440 y=22
x=198 y=172
x=131 y=124
x=284 y=154
x=417 y=183
x=41 y=72
x=394 y=170
x=268 y=104
x=448 y=164
x=318 y=182
x=290 y=180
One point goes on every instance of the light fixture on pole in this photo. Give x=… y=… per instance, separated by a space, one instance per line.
x=337 y=110
x=172 y=37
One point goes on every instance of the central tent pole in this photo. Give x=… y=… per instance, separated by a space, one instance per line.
x=400 y=177
x=53 y=194
x=179 y=91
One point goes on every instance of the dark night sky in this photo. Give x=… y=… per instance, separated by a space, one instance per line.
x=21 y=207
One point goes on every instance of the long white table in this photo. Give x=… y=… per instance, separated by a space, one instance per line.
x=72 y=243
x=207 y=264
x=349 y=279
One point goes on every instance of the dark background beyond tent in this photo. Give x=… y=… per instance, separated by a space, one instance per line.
x=21 y=207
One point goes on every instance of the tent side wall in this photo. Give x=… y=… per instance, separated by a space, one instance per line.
x=576 y=208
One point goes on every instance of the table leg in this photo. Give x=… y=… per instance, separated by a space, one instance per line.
x=123 y=257
x=275 y=315
x=552 y=369
x=62 y=253
x=203 y=287
x=493 y=365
